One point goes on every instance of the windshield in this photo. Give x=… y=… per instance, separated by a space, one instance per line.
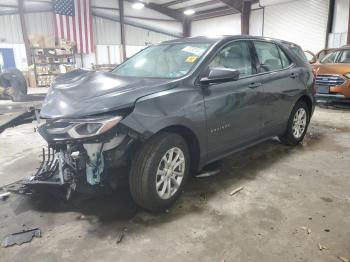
x=330 y=58
x=163 y=61
x=339 y=57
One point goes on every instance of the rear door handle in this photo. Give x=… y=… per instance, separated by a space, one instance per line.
x=255 y=85
x=294 y=75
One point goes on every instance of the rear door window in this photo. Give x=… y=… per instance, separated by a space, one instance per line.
x=286 y=62
x=268 y=56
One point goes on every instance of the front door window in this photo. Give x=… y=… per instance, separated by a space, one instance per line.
x=234 y=56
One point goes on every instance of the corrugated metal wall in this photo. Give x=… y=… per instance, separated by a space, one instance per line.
x=256 y=22
x=37 y=23
x=11 y=32
x=224 y=25
x=303 y=22
x=106 y=32
x=40 y=23
x=339 y=34
x=341 y=15
x=140 y=37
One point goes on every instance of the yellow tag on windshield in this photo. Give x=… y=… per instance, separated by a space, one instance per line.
x=191 y=59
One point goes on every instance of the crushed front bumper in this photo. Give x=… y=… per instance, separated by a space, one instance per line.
x=85 y=168
x=59 y=169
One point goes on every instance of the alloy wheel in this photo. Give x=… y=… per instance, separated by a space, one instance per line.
x=170 y=173
x=299 y=123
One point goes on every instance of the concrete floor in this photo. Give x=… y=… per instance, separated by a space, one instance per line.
x=286 y=191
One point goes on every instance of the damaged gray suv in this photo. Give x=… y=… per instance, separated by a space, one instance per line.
x=168 y=111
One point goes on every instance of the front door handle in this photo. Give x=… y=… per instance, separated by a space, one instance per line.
x=255 y=85
x=293 y=75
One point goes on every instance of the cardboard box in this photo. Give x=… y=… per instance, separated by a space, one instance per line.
x=36 y=40
x=49 y=41
x=65 y=44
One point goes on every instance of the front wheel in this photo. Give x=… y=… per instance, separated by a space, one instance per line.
x=297 y=124
x=159 y=171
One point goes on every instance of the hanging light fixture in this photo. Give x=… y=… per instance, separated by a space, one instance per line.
x=138 y=5
x=189 y=12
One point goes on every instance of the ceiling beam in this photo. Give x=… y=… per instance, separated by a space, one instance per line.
x=166 y=11
x=235 y=4
x=105 y=8
x=221 y=11
x=208 y=3
x=163 y=10
x=127 y=21
x=174 y=3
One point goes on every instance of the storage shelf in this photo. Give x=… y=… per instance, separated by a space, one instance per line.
x=45 y=79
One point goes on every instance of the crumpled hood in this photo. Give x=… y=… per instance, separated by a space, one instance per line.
x=83 y=92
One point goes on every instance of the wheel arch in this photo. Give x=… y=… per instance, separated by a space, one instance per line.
x=308 y=102
x=191 y=140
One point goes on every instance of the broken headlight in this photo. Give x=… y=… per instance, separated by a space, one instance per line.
x=78 y=128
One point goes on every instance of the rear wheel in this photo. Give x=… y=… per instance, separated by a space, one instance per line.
x=297 y=124
x=159 y=171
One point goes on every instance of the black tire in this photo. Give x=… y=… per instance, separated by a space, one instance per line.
x=288 y=137
x=144 y=167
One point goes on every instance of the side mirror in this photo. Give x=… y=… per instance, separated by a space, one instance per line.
x=220 y=75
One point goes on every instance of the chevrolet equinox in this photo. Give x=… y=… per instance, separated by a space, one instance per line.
x=170 y=109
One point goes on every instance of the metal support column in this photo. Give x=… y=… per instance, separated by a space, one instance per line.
x=246 y=7
x=186 y=27
x=330 y=20
x=348 y=40
x=122 y=28
x=24 y=31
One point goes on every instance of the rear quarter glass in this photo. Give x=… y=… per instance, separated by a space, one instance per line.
x=298 y=52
